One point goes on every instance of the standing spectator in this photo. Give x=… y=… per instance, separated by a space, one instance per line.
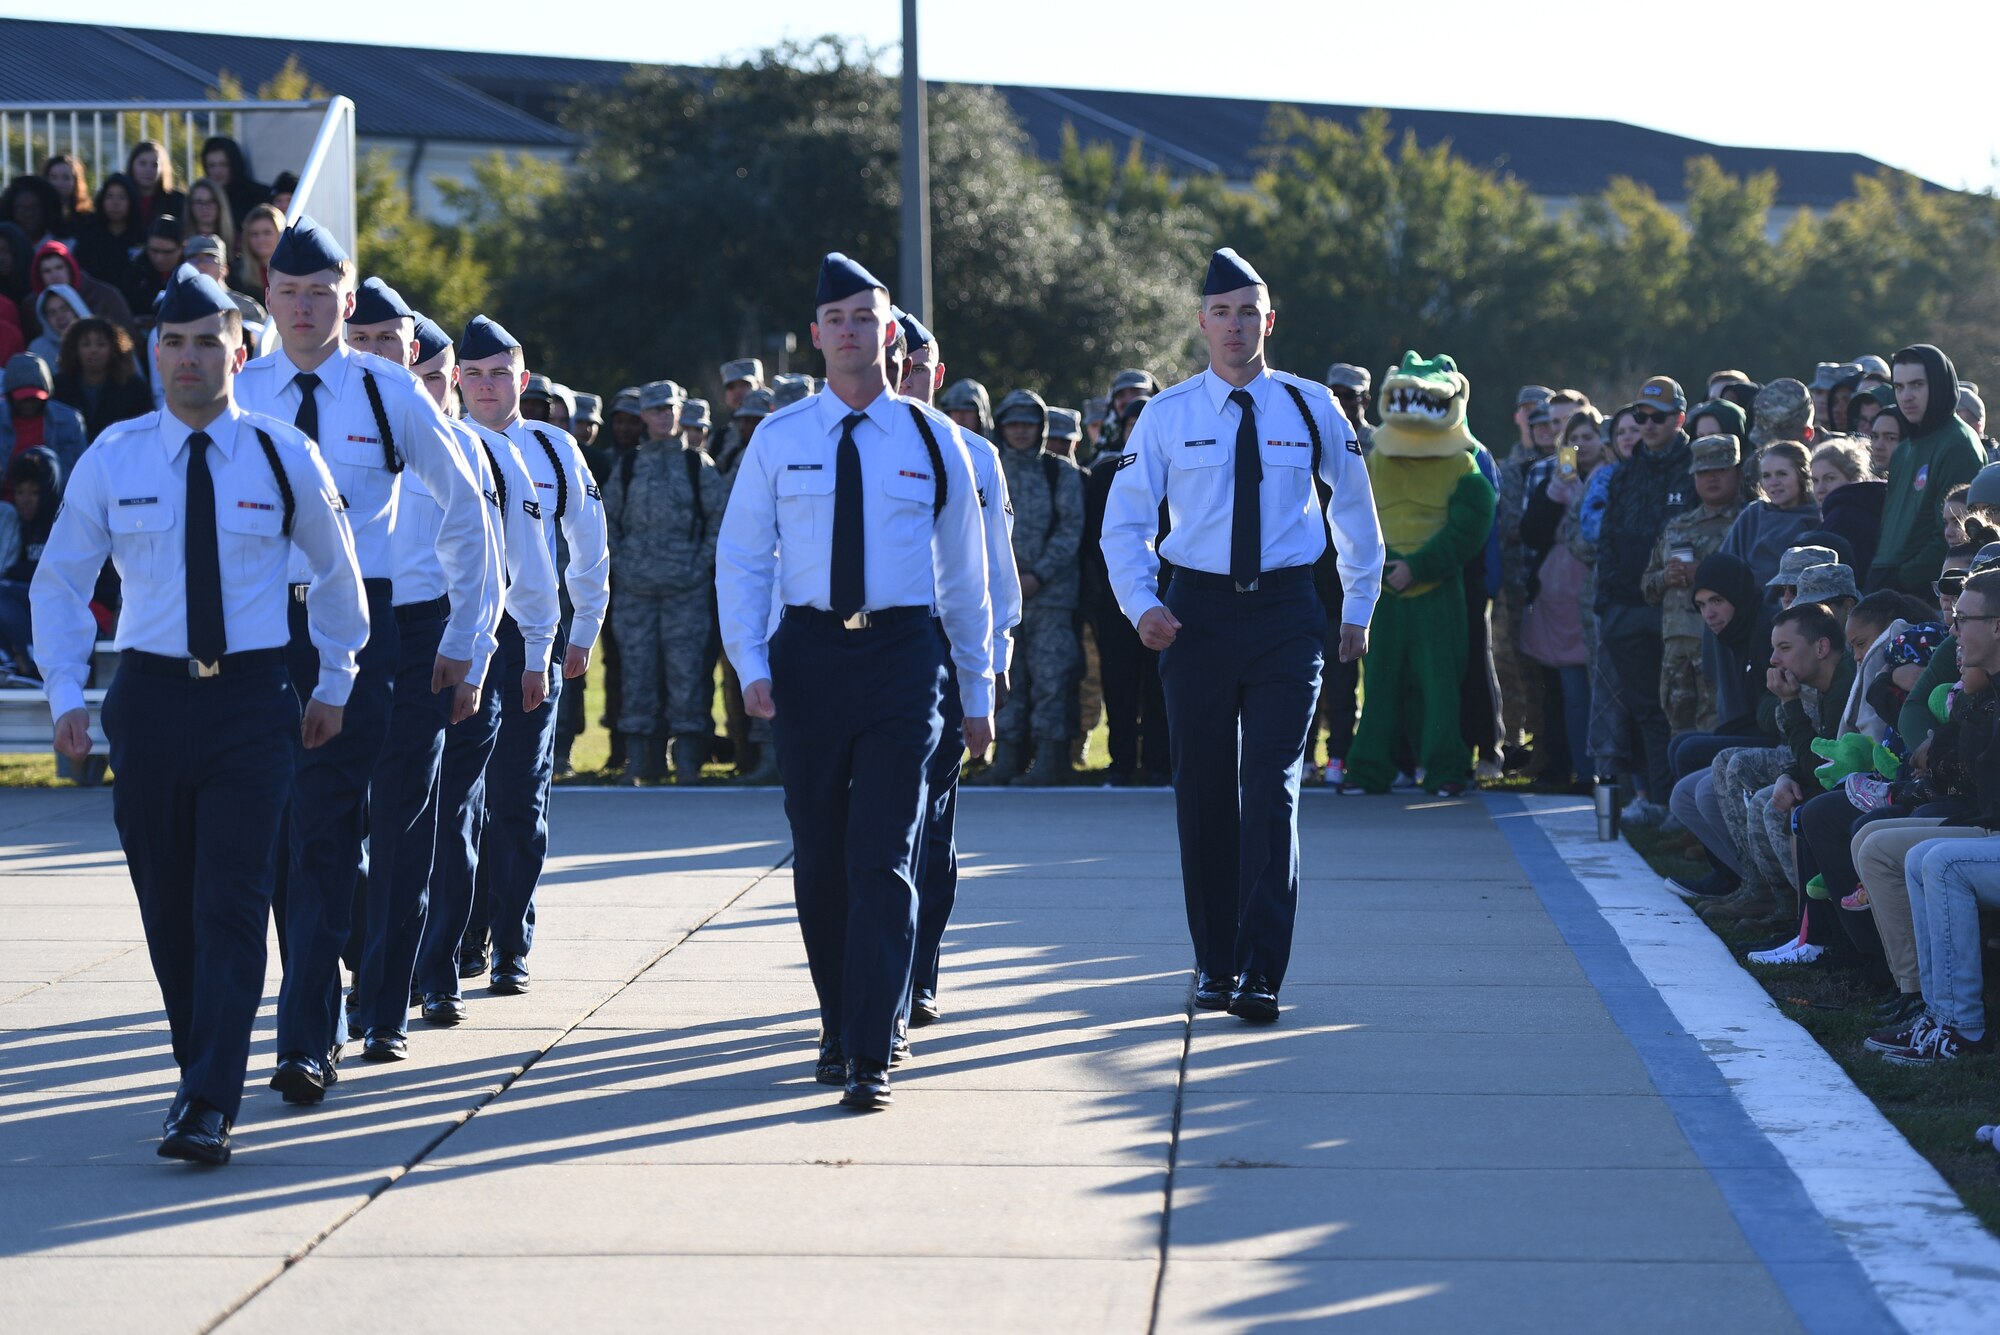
x=34 y=486
x=1774 y=524
x=1552 y=628
x=1610 y=726
x=32 y=420
x=1850 y=498
x=222 y=162
x=1941 y=451
x=151 y=171
x=1340 y=681
x=258 y=238
x=65 y=173
x=1520 y=679
x=96 y=375
x=1648 y=489
x=968 y=405
x=208 y=214
x=32 y=205
x=113 y=238
x=1135 y=709
x=1047 y=491
x=54 y=264
x=150 y=276
x=1886 y=433
x=1691 y=537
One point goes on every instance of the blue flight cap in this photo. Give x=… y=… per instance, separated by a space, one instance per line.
x=431 y=339
x=485 y=338
x=191 y=296
x=1228 y=271
x=378 y=303
x=840 y=278
x=306 y=248
x=913 y=329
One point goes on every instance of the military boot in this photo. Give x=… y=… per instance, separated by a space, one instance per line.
x=649 y=760
x=1752 y=900
x=1051 y=768
x=616 y=760
x=689 y=752
x=1006 y=765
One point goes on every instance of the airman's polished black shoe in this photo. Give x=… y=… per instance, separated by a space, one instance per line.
x=1212 y=993
x=1256 y=1000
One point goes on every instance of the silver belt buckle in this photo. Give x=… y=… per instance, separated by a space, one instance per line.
x=1251 y=587
x=197 y=668
x=859 y=621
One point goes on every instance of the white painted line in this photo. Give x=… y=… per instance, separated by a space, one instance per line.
x=1932 y=1262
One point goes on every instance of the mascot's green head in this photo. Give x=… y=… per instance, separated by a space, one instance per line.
x=1423 y=409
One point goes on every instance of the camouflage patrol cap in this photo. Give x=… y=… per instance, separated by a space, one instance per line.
x=1782 y=410
x=789 y=388
x=660 y=394
x=589 y=408
x=743 y=368
x=695 y=413
x=965 y=396
x=1796 y=561
x=1826 y=375
x=1022 y=405
x=1872 y=367
x=1826 y=582
x=537 y=387
x=626 y=400
x=1533 y=394
x=1065 y=424
x=1346 y=375
x=1134 y=378
x=1713 y=452
x=757 y=403
x=1971 y=405
x=1096 y=410
x=565 y=395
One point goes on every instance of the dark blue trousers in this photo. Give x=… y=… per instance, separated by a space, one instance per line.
x=200 y=772
x=858 y=722
x=402 y=827
x=326 y=824
x=515 y=842
x=1241 y=680
x=461 y=806
x=937 y=843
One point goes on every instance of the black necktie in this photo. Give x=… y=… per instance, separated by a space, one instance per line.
x=848 y=589
x=1246 y=529
x=207 y=641
x=307 y=417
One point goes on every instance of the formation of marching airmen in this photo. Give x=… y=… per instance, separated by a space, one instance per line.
x=350 y=614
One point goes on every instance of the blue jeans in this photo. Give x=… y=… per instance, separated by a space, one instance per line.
x=1950 y=880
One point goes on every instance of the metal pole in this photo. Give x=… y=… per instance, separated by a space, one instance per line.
x=914 y=292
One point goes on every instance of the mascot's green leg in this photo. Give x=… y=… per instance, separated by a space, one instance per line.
x=1371 y=762
x=1435 y=667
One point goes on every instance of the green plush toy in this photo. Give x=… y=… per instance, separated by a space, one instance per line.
x=1940 y=701
x=1849 y=753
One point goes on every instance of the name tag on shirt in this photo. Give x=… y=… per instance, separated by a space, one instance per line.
x=804 y=468
x=139 y=500
x=1189 y=444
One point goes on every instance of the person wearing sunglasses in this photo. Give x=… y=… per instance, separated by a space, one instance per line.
x=1648 y=489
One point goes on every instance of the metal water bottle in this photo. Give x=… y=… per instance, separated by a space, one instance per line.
x=1606 y=795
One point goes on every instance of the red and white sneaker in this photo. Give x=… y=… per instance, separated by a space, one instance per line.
x=1937 y=1044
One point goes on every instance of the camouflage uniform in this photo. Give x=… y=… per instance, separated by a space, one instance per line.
x=663 y=523
x=1686 y=693
x=1048 y=531
x=748 y=734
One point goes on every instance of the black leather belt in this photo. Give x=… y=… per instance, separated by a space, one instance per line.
x=882 y=616
x=1269 y=579
x=374 y=588
x=161 y=665
x=435 y=609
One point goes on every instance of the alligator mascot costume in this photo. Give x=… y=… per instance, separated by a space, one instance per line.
x=1436 y=510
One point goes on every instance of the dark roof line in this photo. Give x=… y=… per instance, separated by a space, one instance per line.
x=1116 y=126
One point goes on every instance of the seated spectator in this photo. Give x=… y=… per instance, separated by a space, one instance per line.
x=31 y=418
x=1850 y=498
x=65 y=173
x=251 y=274
x=1768 y=527
x=1831 y=585
x=112 y=238
x=54 y=264
x=1940 y=453
x=208 y=214
x=283 y=186
x=32 y=205
x=209 y=256
x=33 y=482
x=97 y=374
x=151 y=171
x=147 y=279
x=56 y=309
x=1783 y=587
x=223 y=164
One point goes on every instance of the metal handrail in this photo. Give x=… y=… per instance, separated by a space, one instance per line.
x=187 y=110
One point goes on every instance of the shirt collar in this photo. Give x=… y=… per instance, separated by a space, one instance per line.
x=174 y=432
x=832 y=412
x=330 y=372
x=1218 y=390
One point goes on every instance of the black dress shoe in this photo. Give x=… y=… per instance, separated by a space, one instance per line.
x=1256 y=1000
x=176 y=1110
x=1212 y=993
x=299 y=1080
x=200 y=1135
x=899 y=1049
x=867 y=1086
x=355 y=1026
x=471 y=962
x=924 y=1010
x=510 y=975
x=384 y=1045
x=443 y=1008
x=329 y=1070
x=831 y=1068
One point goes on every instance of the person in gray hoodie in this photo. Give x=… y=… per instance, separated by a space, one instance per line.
x=1771 y=525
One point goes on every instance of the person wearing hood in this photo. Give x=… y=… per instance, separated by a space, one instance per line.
x=1772 y=525
x=1850 y=499
x=57 y=307
x=33 y=417
x=1726 y=596
x=34 y=484
x=223 y=163
x=968 y=405
x=1938 y=452
x=55 y=264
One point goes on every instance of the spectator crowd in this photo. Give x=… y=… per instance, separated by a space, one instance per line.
x=1770 y=617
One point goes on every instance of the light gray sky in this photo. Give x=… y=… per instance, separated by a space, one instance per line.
x=1766 y=73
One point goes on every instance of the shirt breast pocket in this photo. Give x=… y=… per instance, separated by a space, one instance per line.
x=1287 y=472
x=911 y=504
x=145 y=540
x=365 y=482
x=805 y=502
x=250 y=535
